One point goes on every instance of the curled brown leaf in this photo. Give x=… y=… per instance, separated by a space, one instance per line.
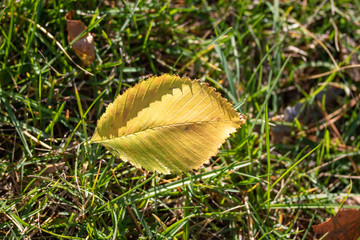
x=84 y=47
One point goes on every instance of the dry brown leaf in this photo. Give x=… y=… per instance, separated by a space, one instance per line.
x=345 y=225
x=84 y=47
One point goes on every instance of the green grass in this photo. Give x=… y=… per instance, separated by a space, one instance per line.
x=273 y=179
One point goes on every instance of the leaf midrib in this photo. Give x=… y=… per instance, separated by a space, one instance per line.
x=170 y=125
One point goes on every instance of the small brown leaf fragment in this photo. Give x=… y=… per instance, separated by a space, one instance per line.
x=84 y=47
x=52 y=168
x=345 y=225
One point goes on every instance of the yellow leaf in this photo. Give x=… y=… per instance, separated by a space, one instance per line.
x=167 y=124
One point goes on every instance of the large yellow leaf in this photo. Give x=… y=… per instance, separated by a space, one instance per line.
x=167 y=124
